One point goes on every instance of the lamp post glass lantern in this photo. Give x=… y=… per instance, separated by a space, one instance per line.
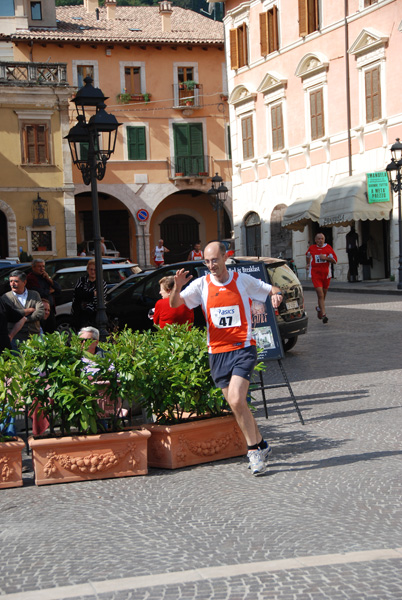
x=394 y=172
x=218 y=194
x=92 y=141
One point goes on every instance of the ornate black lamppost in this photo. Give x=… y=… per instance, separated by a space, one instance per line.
x=92 y=141
x=394 y=172
x=218 y=194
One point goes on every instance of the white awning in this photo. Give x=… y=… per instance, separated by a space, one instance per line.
x=301 y=212
x=347 y=201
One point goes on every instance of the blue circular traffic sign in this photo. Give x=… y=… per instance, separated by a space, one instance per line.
x=142 y=215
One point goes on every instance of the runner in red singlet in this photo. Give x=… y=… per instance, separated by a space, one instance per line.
x=318 y=259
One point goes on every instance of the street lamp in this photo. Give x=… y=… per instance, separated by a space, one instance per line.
x=394 y=172
x=92 y=141
x=218 y=194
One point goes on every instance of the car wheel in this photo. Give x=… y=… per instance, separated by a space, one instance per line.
x=289 y=343
x=64 y=324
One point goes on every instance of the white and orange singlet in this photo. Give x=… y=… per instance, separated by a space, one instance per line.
x=194 y=255
x=227 y=308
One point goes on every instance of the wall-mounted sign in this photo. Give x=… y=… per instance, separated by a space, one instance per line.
x=142 y=215
x=377 y=187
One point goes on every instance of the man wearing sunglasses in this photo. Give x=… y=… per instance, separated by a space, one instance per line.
x=225 y=298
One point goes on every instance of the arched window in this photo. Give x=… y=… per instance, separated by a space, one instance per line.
x=253 y=234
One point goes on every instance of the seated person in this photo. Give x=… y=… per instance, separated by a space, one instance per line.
x=107 y=407
x=164 y=314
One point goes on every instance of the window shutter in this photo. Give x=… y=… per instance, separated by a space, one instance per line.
x=242 y=45
x=373 y=94
x=136 y=143
x=273 y=29
x=316 y=114
x=277 y=127
x=264 y=33
x=234 y=50
x=303 y=18
x=312 y=15
x=247 y=137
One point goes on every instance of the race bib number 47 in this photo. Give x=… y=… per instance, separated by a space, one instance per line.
x=225 y=316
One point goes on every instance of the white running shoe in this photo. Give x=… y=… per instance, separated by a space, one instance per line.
x=257 y=463
x=266 y=453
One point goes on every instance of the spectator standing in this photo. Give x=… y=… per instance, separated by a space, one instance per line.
x=39 y=281
x=196 y=253
x=103 y=246
x=319 y=257
x=9 y=314
x=159 y=254
x=84 y=305
x=225 y=298
x=164 y=314
x=28 y=303
x=352 y=249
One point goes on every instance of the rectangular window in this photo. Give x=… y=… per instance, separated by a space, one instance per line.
x=238 y=47
x=189 y=156
x=41 y=241
x=247 y=137
x=277 y=127
x=132 y=80
x=370 y=2
x=308 y=17
x=7 y=8
x=373 y=94
x=185 y=74
x=317 y=114
x=269 y=40
x=84 y=71
x=35 y=144
x=36 y=11
x=136 y=143
x=228 y=142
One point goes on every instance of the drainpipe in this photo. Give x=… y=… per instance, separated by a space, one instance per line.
x=347 y=77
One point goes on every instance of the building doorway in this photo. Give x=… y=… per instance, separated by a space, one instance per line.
x=3 y=235
x=179 y=233
x=252 y=224
x=374 y=249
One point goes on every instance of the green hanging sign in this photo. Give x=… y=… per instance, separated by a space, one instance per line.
x=377 y=187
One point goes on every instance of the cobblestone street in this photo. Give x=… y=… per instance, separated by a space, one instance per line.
x=324 y=522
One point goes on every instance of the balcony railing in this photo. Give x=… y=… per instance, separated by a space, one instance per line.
x=187 y=96
x=29 y=74
x=189 y=166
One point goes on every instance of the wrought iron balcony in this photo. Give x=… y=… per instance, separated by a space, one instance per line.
x=187 y=95
x=186 y=167
x=30 y=74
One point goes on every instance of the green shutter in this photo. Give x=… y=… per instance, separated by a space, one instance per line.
x=188 y=148
x=136 y=143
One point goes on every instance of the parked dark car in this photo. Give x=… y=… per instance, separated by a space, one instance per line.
x=131 y=306
x=52 y=266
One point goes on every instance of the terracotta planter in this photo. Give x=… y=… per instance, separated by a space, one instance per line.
x=194 y=442
x=86 y=457
x=11 y=463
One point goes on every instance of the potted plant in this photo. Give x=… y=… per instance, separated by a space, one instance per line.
x=10 y=446
x=191 y=84
x=190 y=422
x=146 y=97
x=124 y=97
x=59 y=379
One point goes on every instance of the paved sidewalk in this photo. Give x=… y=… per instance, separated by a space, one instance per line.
x=376 y=286
x=325 y=522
